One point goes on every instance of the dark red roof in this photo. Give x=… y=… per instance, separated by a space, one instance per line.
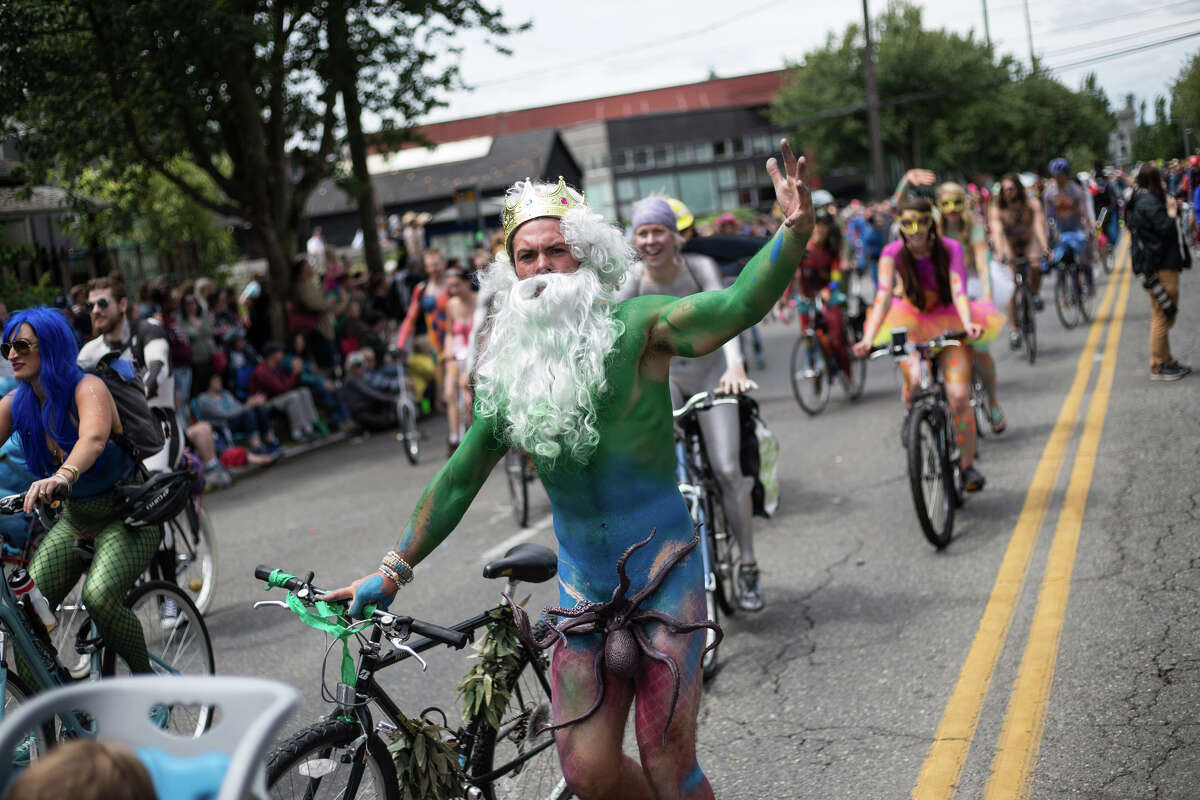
x=746 y=90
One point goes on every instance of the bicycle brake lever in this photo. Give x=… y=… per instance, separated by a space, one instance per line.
x=399 y=644
x=260 y=603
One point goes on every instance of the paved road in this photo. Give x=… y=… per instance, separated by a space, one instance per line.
x=1050 y=651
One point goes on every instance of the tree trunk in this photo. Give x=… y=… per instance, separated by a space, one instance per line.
x=279 y=277
x=345 y=77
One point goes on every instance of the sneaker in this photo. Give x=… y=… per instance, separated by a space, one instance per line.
x=160 y=715
x=1014 y=340
x=1168 y=372
x=1038 y=305
x=749 y=593
x=973 y=479
x=23 y=752
x=168 y=614
x=1187 y=368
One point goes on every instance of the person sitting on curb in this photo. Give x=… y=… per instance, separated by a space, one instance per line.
x=250 y=419
x=283 y=394
x=372 y=408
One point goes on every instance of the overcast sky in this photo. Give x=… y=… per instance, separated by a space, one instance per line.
x=577 y=50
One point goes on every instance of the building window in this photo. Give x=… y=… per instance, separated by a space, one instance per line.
x=685 y=153
x=747 y=174
x=623 y=160
x=761 y=144
x=663 y=156
x=642 y=158
x=600 y=197
x=726 y=177
x=698 y=191
x=741 y=146
x=626 y=189
x=656 y=184
x=729 y=200
x=704 y=152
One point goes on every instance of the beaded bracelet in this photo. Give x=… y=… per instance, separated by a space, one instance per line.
x=403 y=571
x=74 y=476
x=389 y=573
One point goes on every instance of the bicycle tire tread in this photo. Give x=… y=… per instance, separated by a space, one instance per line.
x=330 y=733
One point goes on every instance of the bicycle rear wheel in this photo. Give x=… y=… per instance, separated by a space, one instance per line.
x=520 y=752
x=516 y=472
x=195 y=551
x=929 y=476
x=1086 y=294
x=1065 y=302
x=317 y=762
x=979 y=403
x=406 y=415
x=177 y=642
x=1025 y=311
x=16 y=692
x=724 y=563
x=810 y=381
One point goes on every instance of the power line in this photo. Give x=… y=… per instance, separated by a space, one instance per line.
x=1119 y=53
x=1142 y=12
x=1123 y=37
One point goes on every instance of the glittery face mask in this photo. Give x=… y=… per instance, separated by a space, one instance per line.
x=912 y=222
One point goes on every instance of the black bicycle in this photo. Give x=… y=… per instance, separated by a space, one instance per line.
x=1074 y=292
x=502 y=750
x=519 y=473
x=1025 y=323
x=813 y=364
x=935 y=473
x=702 y=493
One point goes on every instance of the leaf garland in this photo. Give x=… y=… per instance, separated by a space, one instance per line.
x=484 y=692
x=426 y=758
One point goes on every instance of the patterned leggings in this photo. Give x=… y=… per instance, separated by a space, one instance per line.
x=121 y=556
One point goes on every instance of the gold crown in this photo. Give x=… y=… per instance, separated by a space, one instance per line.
x=532 y=204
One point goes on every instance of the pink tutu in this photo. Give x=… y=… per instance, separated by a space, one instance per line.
x=925 y=325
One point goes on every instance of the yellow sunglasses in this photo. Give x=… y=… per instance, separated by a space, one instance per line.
x=951 y=204
x=912 y=223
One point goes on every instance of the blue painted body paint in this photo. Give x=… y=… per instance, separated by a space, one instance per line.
x=777 y=246
x=693 y=780
x=370 y=591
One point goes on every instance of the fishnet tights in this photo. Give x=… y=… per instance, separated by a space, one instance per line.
x=122 y=554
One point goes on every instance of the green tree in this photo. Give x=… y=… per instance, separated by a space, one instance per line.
x=1158 y=139
x=947 y=103
x=242 y=90
x=1185 y=97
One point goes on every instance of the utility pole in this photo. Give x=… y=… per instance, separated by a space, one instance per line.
x=873 y=106
x=987 y=30
x=1029 y=36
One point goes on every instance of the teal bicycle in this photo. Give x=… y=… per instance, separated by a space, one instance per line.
x=500 y=751
x=176 y=645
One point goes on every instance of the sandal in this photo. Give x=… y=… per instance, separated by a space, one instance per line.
x=999 y=423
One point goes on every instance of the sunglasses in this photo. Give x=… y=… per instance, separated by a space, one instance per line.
x=916 y=222
x=22 y=347
x=101 y=304
x=952 y=204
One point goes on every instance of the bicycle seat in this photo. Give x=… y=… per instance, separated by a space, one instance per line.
x=527 y=562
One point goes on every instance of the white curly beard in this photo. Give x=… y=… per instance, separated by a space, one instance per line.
x=543 y=370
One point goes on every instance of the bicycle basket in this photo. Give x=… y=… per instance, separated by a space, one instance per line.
x=159 y=499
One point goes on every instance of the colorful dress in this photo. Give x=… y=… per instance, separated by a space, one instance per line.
x=936 y=319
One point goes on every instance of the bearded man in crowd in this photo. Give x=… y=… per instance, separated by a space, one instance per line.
x=579 y=381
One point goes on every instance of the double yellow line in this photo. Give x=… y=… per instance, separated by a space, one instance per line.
x=1020 y=738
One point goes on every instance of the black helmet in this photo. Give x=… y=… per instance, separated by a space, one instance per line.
x=159 y=499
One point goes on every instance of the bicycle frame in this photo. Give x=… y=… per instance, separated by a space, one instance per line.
x=695 y=492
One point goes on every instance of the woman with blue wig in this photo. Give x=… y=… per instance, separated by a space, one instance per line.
x=66 y=419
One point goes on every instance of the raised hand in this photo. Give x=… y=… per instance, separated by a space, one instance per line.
x=795 y=200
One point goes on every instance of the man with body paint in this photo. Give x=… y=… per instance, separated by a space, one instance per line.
x=580 y=381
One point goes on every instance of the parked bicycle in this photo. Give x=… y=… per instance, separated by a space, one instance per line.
x=934 y=462
x=814 y=365
x=1025 y=322
x=702 y=493
x=180 y=647
x=500 y=751
x=1074 y=292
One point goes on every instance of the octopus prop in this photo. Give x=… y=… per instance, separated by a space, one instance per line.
x=617 y=621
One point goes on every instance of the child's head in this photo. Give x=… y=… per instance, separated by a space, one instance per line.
x=85 y=769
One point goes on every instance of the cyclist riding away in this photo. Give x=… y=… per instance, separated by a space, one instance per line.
x=664 y=270
x=580 y=382
x=929 y=299
x=460 y=316
x=958 y=222
x=1069 y=214
x=67 y=421
x=820 y=272
x=1019 y=229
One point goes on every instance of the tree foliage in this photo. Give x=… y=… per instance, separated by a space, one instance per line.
x=947 y=103
x=241 y=90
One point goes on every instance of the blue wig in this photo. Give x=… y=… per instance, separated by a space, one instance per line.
x=59 y=376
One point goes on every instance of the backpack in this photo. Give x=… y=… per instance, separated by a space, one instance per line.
x=759 y=458
x=143 y=432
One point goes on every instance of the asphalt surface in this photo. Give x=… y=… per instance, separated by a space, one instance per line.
x=863 y=671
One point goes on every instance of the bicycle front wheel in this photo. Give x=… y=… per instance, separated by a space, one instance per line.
x=979 y=403
x=195 y=549
x=810 y=381
x=1086 y=293
x=37 y=743
x=518 y=760
x=1028 y=323
x=177 y=642
x=318 y=762
x=1064 y=300
x=929 y=477
x=517 y=473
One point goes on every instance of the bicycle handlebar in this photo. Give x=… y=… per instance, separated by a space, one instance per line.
x=15 y=503
x=945 y=340
x=308 y=594
x=698 y=402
